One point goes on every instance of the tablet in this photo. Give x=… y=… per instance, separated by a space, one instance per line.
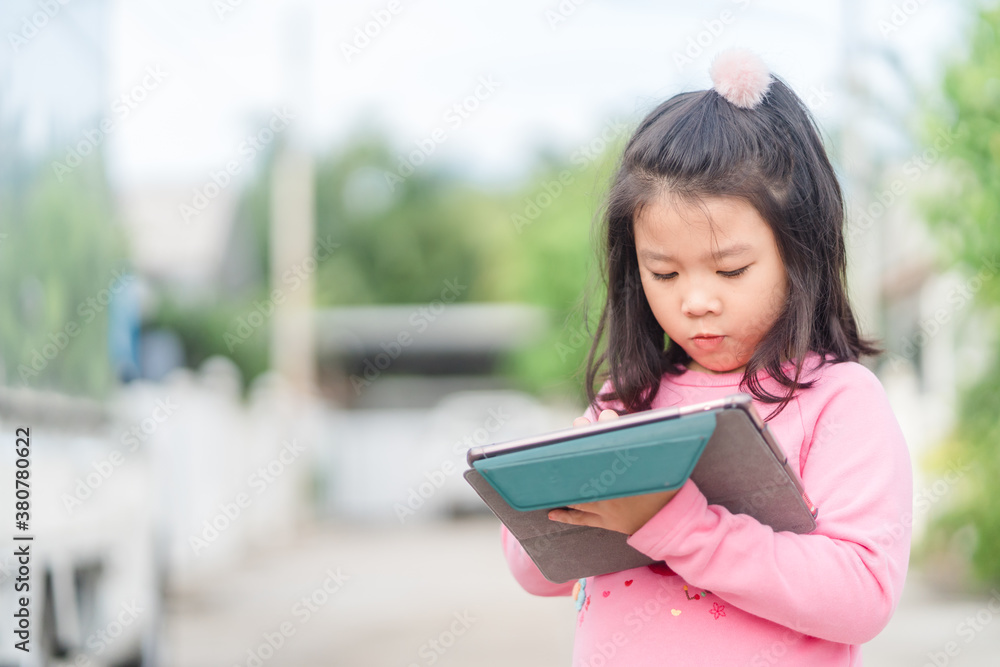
x=722 y=445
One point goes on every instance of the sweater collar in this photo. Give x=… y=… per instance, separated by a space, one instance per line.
x=692 y=378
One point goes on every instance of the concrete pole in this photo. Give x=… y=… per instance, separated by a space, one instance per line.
x=292 y=232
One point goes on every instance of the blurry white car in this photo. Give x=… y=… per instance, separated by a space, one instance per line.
x=94 y=580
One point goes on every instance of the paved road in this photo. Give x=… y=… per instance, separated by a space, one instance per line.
x=440 y=594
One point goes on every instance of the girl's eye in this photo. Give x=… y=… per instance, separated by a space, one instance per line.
x=733 y=274
x=664 y=276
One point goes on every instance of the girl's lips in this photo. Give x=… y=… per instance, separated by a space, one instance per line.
x=707 y=342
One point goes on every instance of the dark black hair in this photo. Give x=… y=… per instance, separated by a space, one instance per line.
x=695 y=145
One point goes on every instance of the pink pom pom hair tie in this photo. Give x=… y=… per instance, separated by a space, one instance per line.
x=741 y=77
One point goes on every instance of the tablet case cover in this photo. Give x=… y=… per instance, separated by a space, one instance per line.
x=736 y=470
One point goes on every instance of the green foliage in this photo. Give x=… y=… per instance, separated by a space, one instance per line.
x=554 y=264
x=398 y=243
x=400 y=238
x=59 y=248
x=211 y=329
x=973 y=447
x=402 y=234
x=965 y=214
x=965 y=211
x=217 y=324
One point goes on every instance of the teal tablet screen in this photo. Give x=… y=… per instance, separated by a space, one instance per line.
x=639 y=459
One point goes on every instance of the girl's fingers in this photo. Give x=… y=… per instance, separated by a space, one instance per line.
x=575 y=517
x=559 y=515
x=604 y=416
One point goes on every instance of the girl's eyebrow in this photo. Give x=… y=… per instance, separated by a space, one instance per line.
x=722 y=253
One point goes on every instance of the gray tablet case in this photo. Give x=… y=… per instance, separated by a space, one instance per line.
x=738 y=469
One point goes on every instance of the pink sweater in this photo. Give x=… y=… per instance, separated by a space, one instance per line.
x=733 y=591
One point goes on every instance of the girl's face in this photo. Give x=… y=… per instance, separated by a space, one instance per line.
x=713 y=277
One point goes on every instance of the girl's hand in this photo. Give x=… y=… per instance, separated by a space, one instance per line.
x=623 y=515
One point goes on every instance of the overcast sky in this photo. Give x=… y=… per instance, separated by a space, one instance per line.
x=200 y=76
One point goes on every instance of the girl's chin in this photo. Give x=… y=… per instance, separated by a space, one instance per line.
x=715 y=368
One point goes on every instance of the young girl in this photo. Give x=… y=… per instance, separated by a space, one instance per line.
x=725 y=271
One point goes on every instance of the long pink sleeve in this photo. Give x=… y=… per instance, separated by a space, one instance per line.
x=840 y=583
x=526 y=572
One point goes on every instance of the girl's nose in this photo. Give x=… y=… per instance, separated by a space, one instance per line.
x=698 y=302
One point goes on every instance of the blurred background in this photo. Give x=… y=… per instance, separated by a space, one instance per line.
x=268 y=269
